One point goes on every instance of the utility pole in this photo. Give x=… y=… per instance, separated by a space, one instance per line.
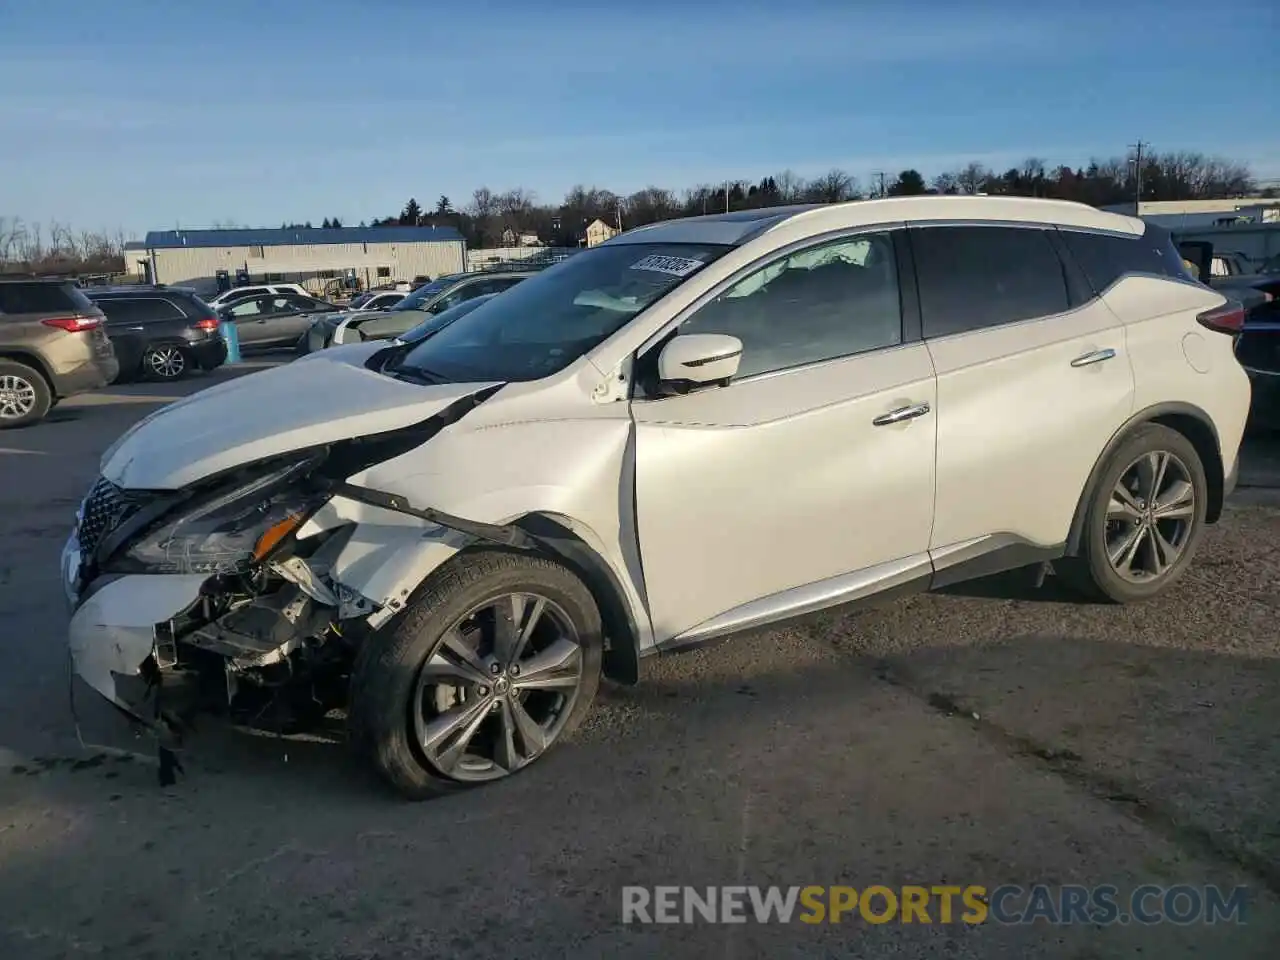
x=726 y=196
x=879 y=176
x=1137 y=177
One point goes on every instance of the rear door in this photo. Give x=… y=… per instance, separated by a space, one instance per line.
x=287 y=317
x=250 y=318
x=1033 y=381
x=136 y=322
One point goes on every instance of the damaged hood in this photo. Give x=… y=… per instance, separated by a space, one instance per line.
x=329 y=397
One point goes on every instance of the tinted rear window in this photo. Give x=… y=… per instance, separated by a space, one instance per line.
x=976 y=277
x=43 y=298
x=139 y=309
x=1105 y=257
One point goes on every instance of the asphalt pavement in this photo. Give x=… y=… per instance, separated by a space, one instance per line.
x=996 y=734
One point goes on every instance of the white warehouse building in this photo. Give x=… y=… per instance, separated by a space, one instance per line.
x=209 y=260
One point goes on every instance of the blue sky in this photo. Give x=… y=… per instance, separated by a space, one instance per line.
x=146 y=114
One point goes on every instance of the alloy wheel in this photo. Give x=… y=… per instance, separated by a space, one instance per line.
x=499 y=687
x=1150 y=516
x=166 y=363
x=17 y=397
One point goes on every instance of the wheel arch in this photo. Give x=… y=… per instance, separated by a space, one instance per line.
x=1185 y=418
x=622 y=632
x=33 y=361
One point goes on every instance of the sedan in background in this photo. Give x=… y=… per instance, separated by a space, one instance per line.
x=438 y=321
x=160 y=333
x=272 y=321
x=431 y=298
x=376 y=300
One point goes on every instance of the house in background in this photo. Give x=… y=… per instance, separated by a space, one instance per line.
x=520 y=238
x=598 y=232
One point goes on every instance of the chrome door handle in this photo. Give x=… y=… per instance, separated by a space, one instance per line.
x=1094 y=356
x=901 y=414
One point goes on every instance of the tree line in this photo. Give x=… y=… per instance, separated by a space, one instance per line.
x=1179 y=175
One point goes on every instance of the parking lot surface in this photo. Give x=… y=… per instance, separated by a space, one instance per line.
x=997 y=734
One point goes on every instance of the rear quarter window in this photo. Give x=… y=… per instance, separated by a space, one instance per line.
x=1106 y=257
x=43 y=298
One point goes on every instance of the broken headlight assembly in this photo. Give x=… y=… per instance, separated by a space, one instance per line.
x=230 y=529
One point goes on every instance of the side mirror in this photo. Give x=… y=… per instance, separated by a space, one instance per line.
x=695 y=359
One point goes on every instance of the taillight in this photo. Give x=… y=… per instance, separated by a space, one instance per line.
x=73 y=324
x=1228 y=318
x=207 y=323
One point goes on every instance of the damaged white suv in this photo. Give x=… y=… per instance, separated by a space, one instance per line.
x=699 y=427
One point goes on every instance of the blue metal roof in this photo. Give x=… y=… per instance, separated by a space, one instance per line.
x=135 y=245
x=170 y=239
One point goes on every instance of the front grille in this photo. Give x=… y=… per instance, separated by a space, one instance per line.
x=104 y=509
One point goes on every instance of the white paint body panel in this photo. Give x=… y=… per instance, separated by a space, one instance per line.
x=113 y=631
x=780 y=481
x=1159 y=317
x=1020 y=428
x=271 y=412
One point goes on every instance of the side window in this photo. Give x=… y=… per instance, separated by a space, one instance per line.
x=975 y=277
x=505 y=283
x=120 y=310
x=828 y=301
x=249 y=308
x=1106 y=257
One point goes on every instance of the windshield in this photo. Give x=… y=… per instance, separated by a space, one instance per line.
x=1271 y=266
x=360 y=299
x=415 y=300
x=545 y=323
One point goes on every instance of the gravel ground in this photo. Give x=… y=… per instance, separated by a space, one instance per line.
x=995 y=734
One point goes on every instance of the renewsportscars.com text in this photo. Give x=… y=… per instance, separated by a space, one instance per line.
x=973 y=904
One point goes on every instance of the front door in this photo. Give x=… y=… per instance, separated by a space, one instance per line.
x=790 y=475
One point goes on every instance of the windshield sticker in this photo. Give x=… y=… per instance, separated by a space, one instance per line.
x=674 y=266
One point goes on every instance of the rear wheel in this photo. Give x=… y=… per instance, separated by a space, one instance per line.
x=165 y=361
x=1144 y=520
x=25 y=396
x=495 y=661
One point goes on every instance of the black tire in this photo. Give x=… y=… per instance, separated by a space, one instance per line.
x=166 y=362
x=1091 y=572
x=31 y=398
x=384 y=682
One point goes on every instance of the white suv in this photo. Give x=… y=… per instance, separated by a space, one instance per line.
x=699 y=427
x=258 y=290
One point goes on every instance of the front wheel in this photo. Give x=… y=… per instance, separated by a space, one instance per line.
x=1144 y=520
x=494 y=661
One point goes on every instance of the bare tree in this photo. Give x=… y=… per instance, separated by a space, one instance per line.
x=650 y=205
x=832 y=187
x=791 y=186
x=13 y=235
x=973 y=178
x=945 y=183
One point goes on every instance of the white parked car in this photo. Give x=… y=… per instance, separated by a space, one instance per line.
x=257 y=290
x=714 y=424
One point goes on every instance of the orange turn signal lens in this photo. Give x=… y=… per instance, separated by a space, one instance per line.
x=275 y=533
